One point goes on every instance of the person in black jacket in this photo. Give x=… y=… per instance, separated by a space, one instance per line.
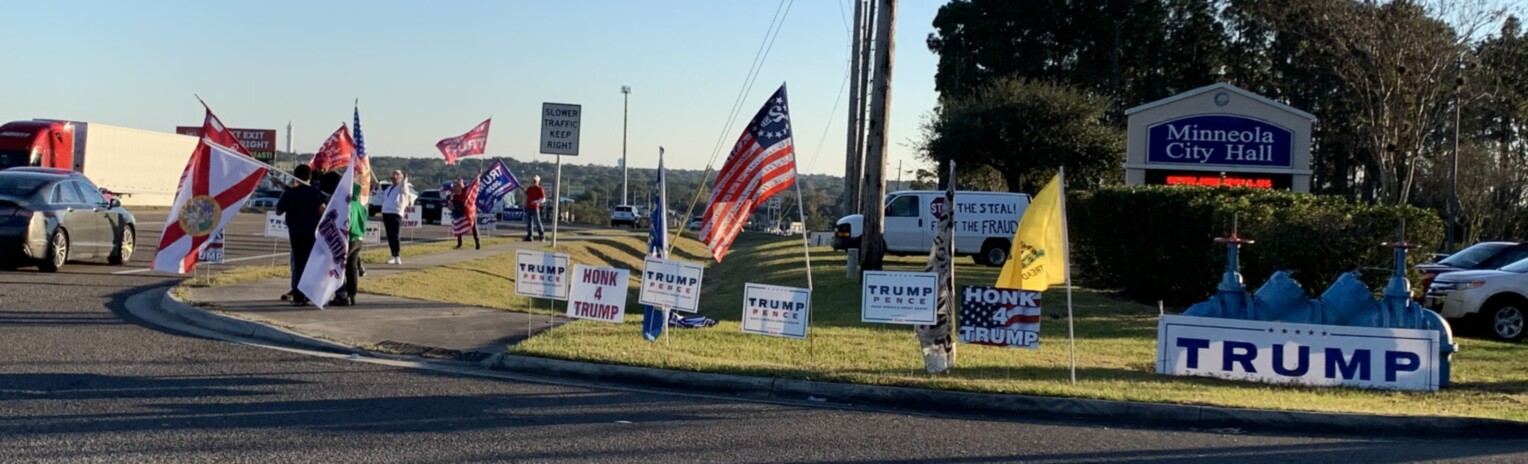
x=302 y=204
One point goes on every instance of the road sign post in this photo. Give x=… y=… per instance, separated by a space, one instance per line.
x=560 y=124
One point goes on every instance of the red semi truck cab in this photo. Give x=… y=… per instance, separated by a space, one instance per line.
x=38 y=143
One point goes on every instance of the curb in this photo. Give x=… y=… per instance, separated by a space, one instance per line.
x=239 y=327
x=1023 y=406
x=1011 y=406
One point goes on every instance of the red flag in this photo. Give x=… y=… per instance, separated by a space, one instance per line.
x=215 y=184
x=474 y=142
x=335 y=153
x=762 y=164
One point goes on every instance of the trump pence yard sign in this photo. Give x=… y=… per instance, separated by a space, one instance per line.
x=540 y=274
x=777 y=311
x=598 y=293
x=671 y=284
x=899 y=297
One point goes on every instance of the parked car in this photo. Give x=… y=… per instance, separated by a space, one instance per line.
x=1480 y=256
x=624 y=215
x=695 y=223
x=1493 y=300
x=50 y=216
x=430 y=204
x=986 y=222
x=261 y=204
x=375 y=205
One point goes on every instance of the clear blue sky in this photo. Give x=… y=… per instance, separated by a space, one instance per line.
x=428 y=70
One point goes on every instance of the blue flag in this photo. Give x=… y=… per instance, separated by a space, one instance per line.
x=653 y=319
x=496 y=182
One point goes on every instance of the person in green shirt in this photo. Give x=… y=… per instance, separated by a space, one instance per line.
x=358 y=215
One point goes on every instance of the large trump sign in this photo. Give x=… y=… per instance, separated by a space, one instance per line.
x=1276 y=352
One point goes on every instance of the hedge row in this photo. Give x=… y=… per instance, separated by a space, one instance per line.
x=1156 y=243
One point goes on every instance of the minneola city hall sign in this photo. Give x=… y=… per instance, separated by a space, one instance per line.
x=1219 y=135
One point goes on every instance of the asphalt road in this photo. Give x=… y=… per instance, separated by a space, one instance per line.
x=82 y=381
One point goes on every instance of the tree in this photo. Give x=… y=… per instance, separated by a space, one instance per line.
x=1395 y=63
x=1026 y=130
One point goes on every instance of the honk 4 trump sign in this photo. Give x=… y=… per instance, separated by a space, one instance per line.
x=598 y=293
x=671 y=284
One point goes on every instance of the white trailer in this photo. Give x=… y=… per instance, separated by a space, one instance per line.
x=142 y=167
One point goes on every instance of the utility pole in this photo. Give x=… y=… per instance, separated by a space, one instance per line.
x=289 y=143
x=625 y=167
x=854 y=156
x=900 y=185
x=1453 y=163
x=873 y=192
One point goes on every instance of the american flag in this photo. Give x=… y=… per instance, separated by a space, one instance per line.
x=462 y=221
x=364 y=175
x=987 y=312
x=762 y=164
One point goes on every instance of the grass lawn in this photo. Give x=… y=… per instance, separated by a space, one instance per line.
x=1116 y=340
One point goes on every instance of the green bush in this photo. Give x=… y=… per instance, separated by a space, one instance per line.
x=1156 y=243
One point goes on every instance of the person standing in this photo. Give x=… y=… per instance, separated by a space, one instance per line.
x=303 y=204
x=463 y=215
x=358 y=215
x=395 y=202
x=534 y=197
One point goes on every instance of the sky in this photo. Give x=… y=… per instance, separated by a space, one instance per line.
x=424 y=71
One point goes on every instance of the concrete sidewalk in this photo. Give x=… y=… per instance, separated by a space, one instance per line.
x=385 y=323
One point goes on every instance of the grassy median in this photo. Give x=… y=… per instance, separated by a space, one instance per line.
x=1116 y=340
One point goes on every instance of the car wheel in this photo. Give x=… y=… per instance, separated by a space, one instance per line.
x=124 y=252
x=994 y=253
x=1505 y=321
x=58 y=252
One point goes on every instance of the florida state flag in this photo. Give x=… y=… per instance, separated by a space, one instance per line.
x=472 y=143
x=218 y=179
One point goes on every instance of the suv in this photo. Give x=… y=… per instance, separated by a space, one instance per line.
x=430 y=204
x=1493 y=300
x=1480 y=256
x=624 y=215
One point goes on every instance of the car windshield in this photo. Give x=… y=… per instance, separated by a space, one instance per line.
x=1472 y=256
x=1520 y=267
x=432 y=194
x=20 y=187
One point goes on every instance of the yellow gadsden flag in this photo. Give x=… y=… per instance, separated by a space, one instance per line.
x=1038 y=258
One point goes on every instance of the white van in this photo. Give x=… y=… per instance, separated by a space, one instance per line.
x=984 y=224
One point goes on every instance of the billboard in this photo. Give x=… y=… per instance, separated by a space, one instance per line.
x=261 y=143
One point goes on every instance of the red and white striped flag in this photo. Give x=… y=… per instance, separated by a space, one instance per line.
x=762 y=164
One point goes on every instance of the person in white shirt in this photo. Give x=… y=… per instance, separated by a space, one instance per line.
x=395 y=202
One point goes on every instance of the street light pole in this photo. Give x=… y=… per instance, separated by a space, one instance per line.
x=625 y=167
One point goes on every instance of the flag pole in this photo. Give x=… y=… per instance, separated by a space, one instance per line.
x=806 y=243
x=1071 y=333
